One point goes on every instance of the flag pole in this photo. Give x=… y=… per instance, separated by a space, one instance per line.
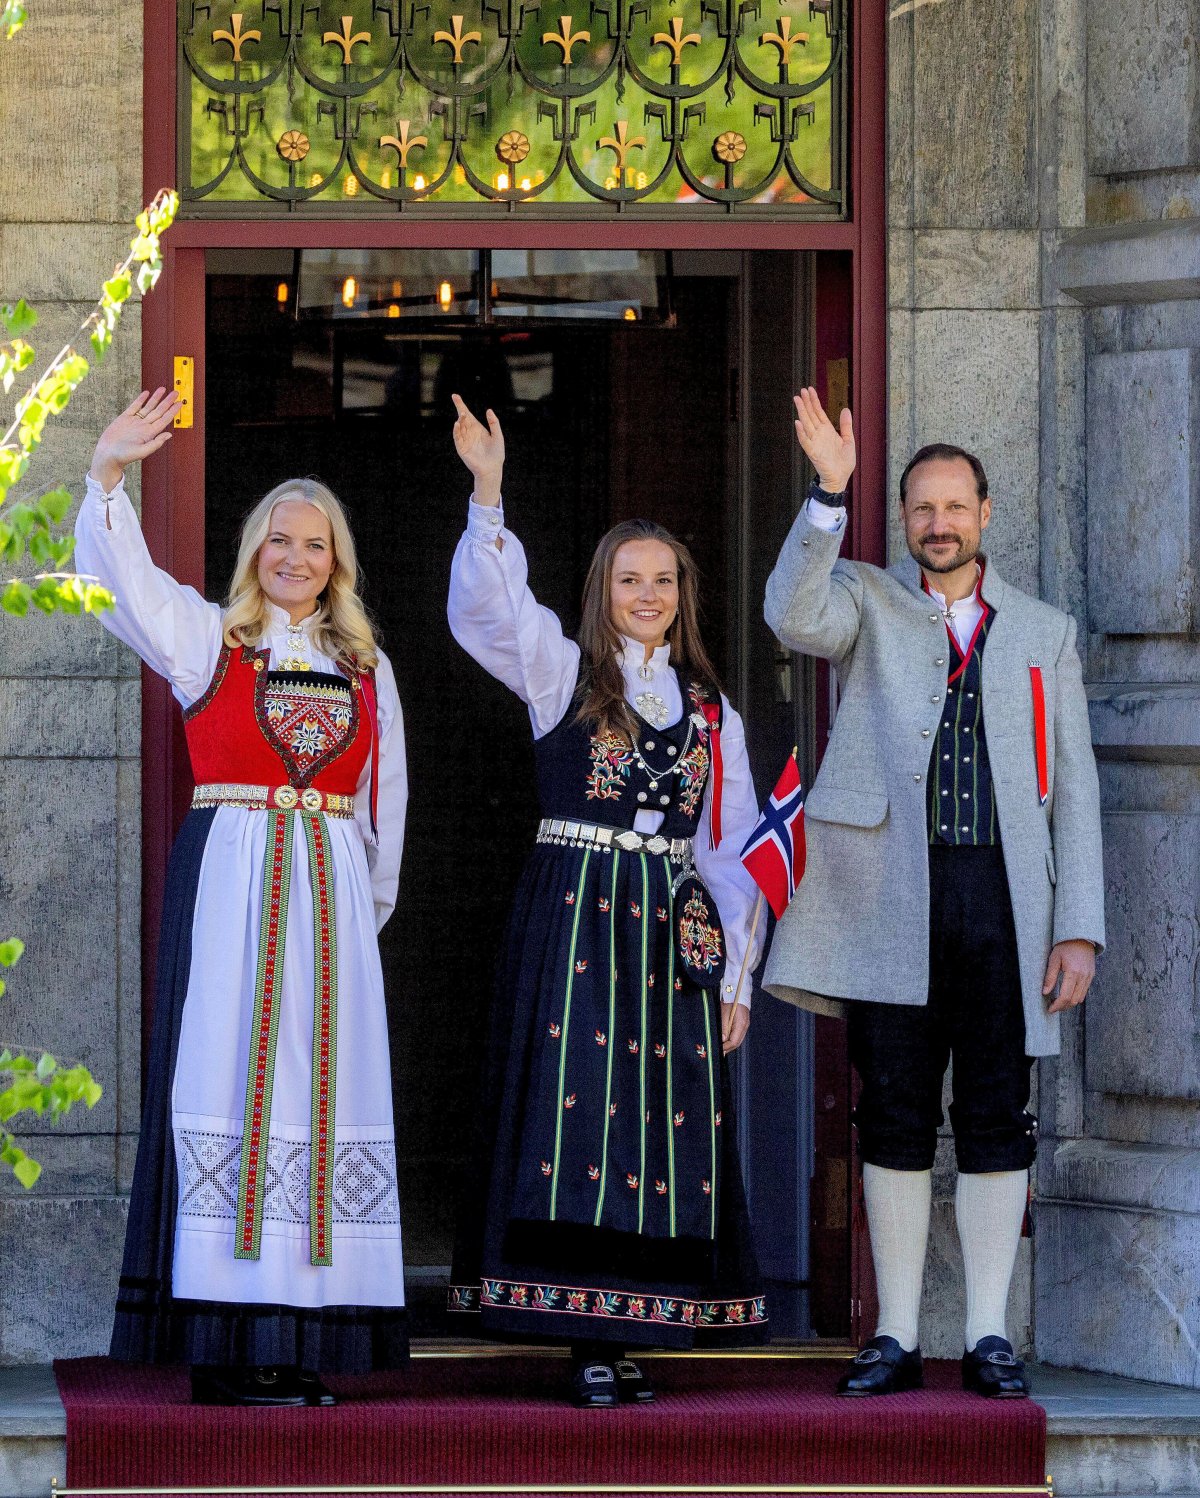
x=758 y=905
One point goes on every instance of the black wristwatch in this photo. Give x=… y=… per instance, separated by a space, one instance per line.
x=834 y=501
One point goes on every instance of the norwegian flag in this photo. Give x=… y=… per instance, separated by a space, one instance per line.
x=774 y=852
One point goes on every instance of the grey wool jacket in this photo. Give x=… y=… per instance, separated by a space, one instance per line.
x=858 y=925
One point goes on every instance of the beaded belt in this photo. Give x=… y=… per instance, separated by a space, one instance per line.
x=274 y=798
x=591 y=834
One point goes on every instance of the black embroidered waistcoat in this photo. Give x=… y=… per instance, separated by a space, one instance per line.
x=961 y=802
x=592 y=777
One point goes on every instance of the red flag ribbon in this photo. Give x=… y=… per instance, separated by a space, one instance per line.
x=367 y=681
x=1039 y=731
x=712 y=716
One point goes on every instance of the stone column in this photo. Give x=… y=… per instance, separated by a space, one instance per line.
x=70 y=875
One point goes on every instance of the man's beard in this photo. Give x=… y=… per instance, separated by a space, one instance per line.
x=967 y=551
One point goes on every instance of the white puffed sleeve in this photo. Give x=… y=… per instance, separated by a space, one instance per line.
x=383 y=856
x=497 y=620
x=723 y=871
x=175 y=631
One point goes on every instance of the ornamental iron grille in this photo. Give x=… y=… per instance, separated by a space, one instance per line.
x=563 y=108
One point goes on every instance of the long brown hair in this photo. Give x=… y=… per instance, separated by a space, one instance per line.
x=601 y=695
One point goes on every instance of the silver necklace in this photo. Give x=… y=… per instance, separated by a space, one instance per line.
x=675 y=768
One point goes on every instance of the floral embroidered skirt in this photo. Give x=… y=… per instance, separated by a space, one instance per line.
x=606 y=1199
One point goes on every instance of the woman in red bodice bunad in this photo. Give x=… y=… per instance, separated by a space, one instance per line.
x=263 y=1245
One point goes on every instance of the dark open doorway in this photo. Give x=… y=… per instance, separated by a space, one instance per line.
x=682 y=418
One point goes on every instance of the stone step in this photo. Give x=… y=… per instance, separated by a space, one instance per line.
x=1107 y=1437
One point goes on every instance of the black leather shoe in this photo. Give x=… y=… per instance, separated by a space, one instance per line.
x=994 y=1371
x=593 y=1386
x=272 y=1387
x=883 y=1367
x=314 y=1390
x=633 y=1387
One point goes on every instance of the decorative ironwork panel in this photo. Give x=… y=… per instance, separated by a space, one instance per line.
x=550 y=107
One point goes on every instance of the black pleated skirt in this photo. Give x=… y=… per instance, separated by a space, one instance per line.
x=151 y=1325
x=605 y=1200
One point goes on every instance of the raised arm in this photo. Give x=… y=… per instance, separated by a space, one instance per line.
x=170 y=626
x=810 y=606
x=492 y=613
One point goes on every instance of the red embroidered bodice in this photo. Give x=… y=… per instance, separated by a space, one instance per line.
x=259 y=727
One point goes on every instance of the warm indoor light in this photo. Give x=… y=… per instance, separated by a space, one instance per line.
x=525 y=184
x=350 y=185
x=385 y=177
x=349 y=291
x=315 y=180
x=418 y=183
x=393 y=310
x=501 y=181
x=282 y=292
x=630 y=315
x=445 y=295
x=397 y=289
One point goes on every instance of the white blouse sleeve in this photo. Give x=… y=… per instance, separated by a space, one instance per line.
x=175 y=631
x=723 y=871
x=497 y=620
x=383 y=856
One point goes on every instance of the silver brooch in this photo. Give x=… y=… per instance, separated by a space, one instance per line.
x=652 y=707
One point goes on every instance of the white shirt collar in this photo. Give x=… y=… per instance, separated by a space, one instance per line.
x=633 y=655
x=971 y=600
x=282 y=620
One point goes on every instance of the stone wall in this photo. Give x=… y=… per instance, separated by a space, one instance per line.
x=70 y=876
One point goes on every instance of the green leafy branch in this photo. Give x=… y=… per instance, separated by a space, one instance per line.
x=29 y=528
x=12 y=18
x=43 y=1086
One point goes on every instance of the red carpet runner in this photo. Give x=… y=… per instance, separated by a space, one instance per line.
x=502 y=1420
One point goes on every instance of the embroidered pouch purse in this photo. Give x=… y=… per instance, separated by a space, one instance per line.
x=699 y=940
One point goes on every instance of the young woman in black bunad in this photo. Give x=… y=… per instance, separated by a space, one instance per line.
x=608 y=1208
x=263 y=1244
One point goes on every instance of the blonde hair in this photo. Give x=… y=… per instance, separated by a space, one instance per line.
x=341 y=629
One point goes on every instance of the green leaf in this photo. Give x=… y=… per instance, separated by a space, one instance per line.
x=11 y=951
x=97 y=599
x=19 y=318
x=27 y=1172
x=12 y=18
x=13 y=463
x=56 y=504
x=23 y=519
x=5 y=1057
x=3 y=986
x=16 y=598
x=92 y=1092
x=48 y=596
x=117 y=290
x=46 y=1066
x=39 y=547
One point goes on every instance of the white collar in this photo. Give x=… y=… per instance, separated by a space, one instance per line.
x=633 y=654
x=281 y=619
x=971 y=598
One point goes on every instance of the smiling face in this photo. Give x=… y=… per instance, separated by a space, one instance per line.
x=944 y=518
x=296 y=560
x=643 y=597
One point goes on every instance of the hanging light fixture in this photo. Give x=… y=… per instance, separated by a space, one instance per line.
x=282 y=292
x=445 y=296
x=349 y=292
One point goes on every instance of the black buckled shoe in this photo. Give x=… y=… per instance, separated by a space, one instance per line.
x=994 y=1371
x=883 y=1367
x=633 y=1387
x=593 y=1386
x=270 y=1387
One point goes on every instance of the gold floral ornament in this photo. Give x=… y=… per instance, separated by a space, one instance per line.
x=347 y=39
x=237 y=38
x=621 y=145
x=676 y=39
x=293 y=145
x=784 y=41
x=513 y=147
x=729 y=147
x=565 y=38
x=404 y=143
x=456 y=40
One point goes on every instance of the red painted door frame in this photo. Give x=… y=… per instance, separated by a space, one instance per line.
x=173 y=323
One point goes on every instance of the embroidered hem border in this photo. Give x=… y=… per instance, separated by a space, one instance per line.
x=260 y=1080
x=516 y=1295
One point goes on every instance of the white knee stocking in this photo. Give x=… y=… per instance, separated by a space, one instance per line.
x=989 y=1210
x=898 y=1216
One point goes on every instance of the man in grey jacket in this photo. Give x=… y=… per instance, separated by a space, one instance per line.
x=952 y=902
